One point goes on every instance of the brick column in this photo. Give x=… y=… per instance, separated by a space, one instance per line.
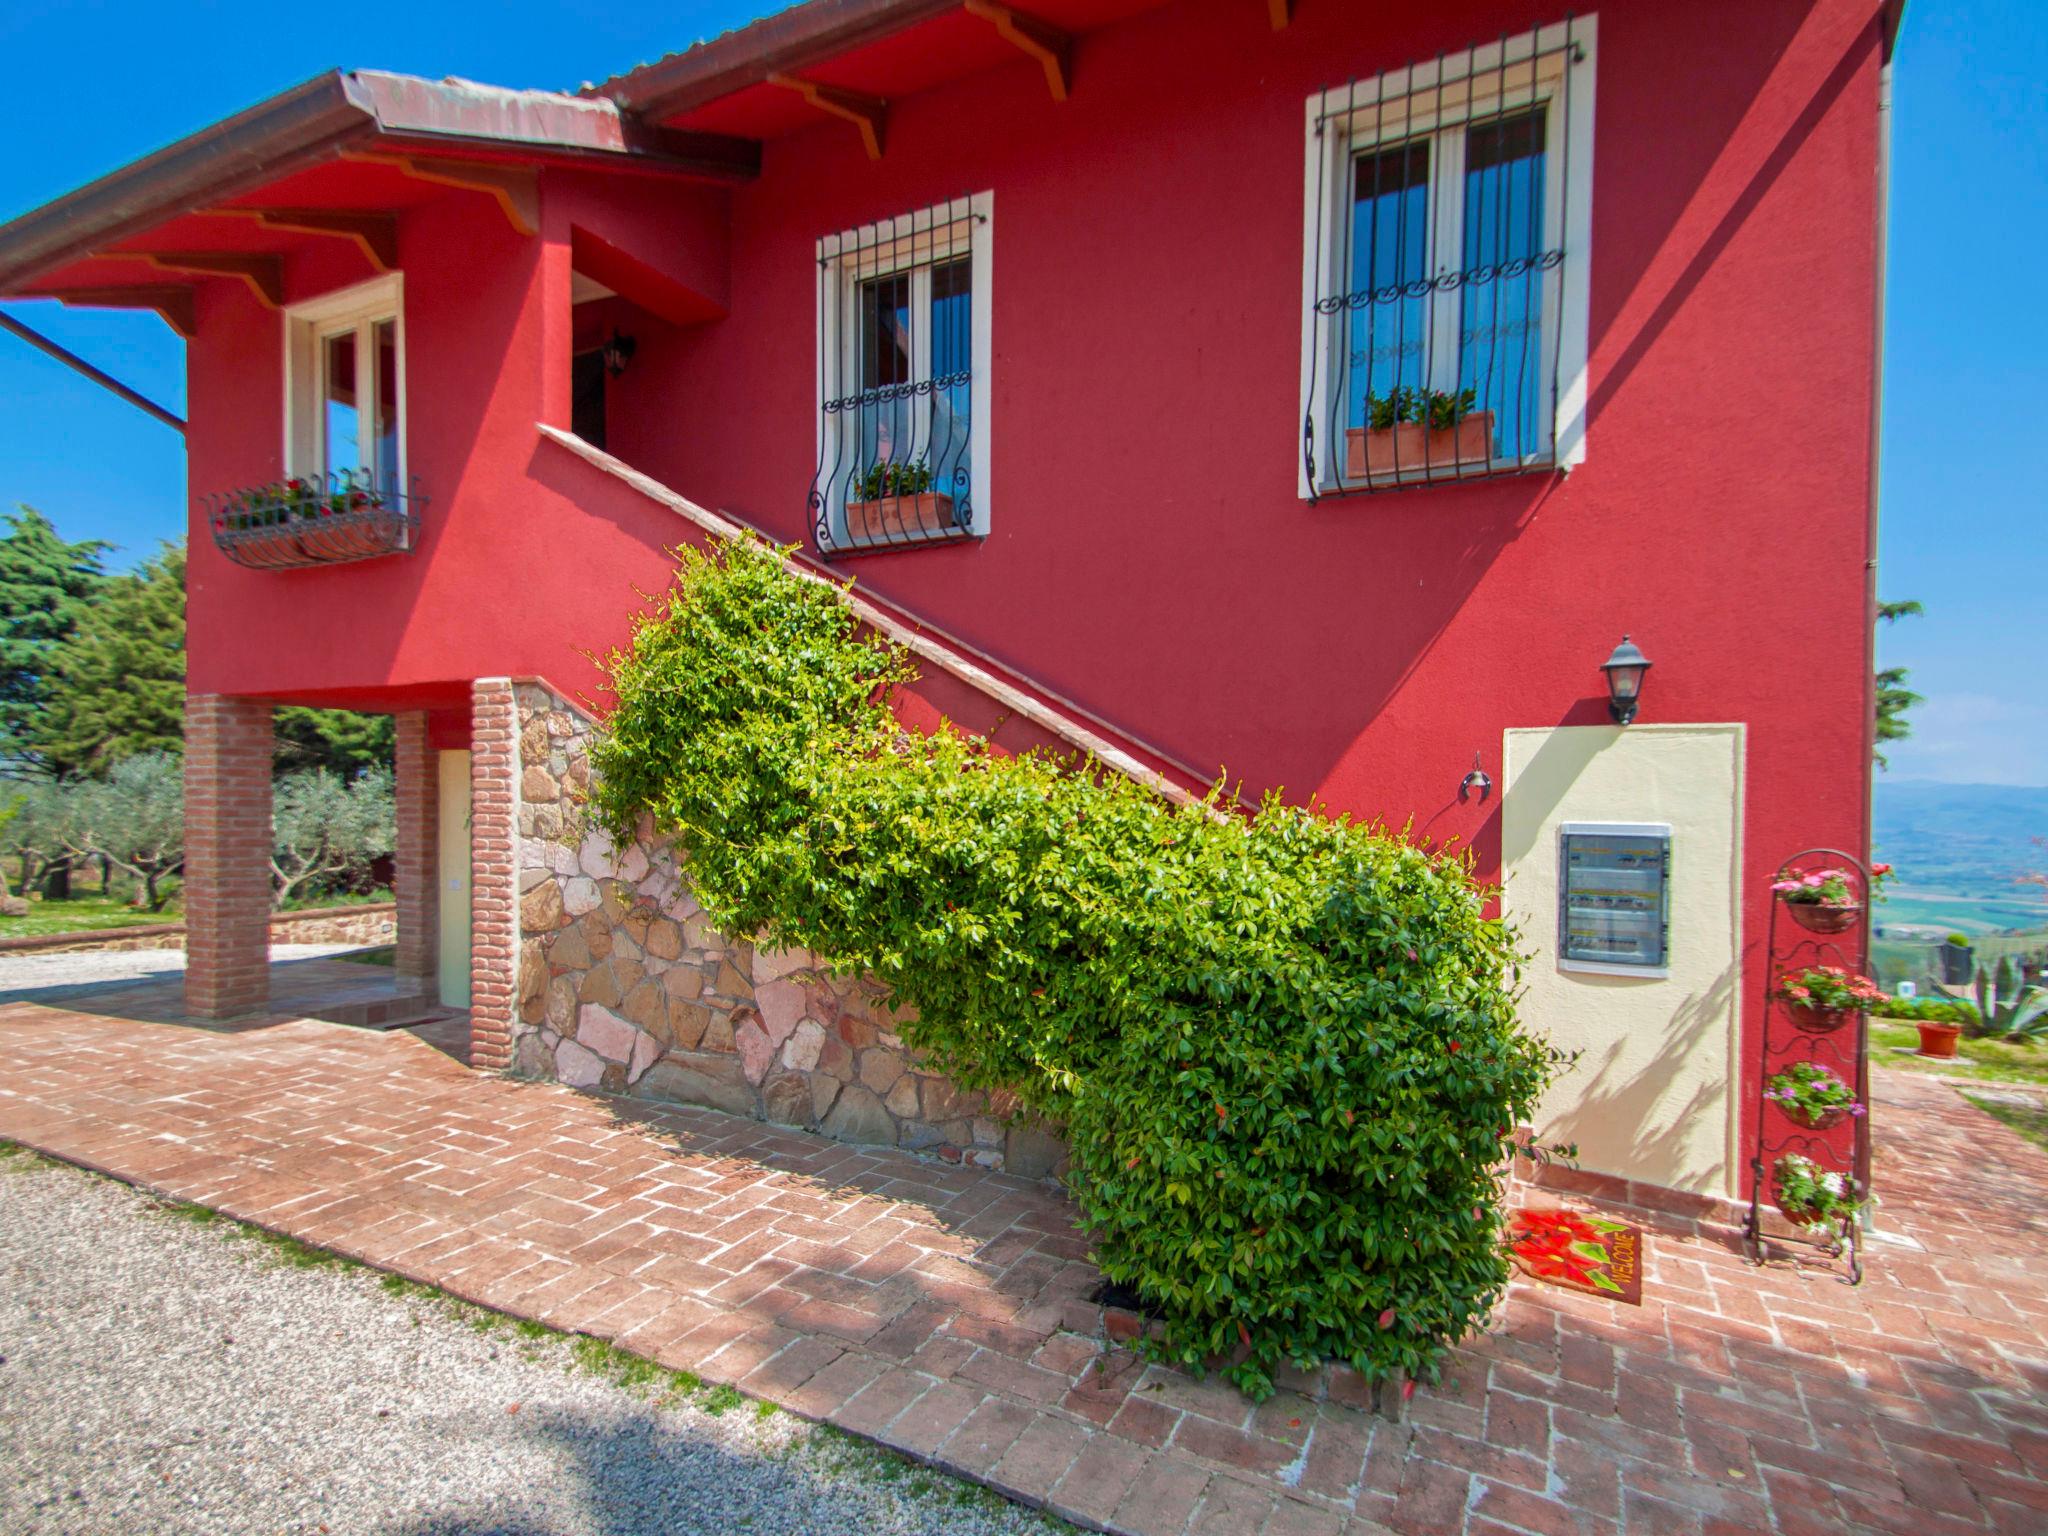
x=227 y=855
x=494 y=899
x=416 y=876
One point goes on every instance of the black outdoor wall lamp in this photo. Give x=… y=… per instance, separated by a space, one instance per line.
x=1625 y=670
x=618 y=352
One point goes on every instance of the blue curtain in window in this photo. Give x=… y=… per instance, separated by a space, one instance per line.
x=1500 y=344
x=1389 y=342
x=952 y=366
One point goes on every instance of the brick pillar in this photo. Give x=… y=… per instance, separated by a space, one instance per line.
x=227 y=855
x=494 y=900
x=416 y=875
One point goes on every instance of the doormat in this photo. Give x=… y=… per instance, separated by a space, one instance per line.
x=1580 y=1253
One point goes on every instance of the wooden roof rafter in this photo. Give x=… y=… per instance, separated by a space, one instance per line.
x=1279 y=12
x=1044 y=42
x=172 y=301
x=374 y=234
x=870 y=114
x=263 y=273
x=515 y=188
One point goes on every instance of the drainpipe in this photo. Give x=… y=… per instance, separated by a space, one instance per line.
x=1882 y=239
x=1888 y=22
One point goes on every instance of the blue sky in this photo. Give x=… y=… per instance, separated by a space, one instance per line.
x=103 y=83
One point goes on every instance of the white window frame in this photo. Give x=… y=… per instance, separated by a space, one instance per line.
x=913 y=242
x=1436 y=102
x=306 y=327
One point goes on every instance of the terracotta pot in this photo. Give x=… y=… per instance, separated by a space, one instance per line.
x=1938 y=1040
x=894 y=517
x=1818 y=1021
x=1826 y=1120
x=1800 y=1216
x=1408 y=448
x=1818 y=917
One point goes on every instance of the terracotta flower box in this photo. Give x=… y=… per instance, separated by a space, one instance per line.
x=1814 y=1120
x=1824 y=917
x=894 y=517
x=1410 y=447
x=1818 y=1021
x=1802 y=1215
x=313 y=538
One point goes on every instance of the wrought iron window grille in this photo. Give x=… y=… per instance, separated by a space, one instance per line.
x=902 y=450
x=313 y=520
x=1440 y=245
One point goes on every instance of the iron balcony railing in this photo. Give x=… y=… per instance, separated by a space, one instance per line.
x=314 y=520
x=1439 y=250
x=896 y=380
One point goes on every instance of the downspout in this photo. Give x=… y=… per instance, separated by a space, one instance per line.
x=1888 y=22
x=79 y=365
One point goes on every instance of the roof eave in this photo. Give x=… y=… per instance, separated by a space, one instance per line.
x=272 y=138
x=788 y=41
x=338 y=110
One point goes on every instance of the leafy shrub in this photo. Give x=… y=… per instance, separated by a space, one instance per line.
x=1439 y=409
x=1814 y=1197
x=1284 y=1048
x=1934 y=1010
x=894 y=480
x=1828 y=987
x=1808 y=1092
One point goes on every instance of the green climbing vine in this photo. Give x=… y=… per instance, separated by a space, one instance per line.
x=1283 y=1047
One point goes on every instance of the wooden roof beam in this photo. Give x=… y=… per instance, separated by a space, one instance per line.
x=1279 y=12
x=374 y=234
x=870 y=114
x=264 y=274
x=515 y=188
x=172 y=302
x=1046 y=43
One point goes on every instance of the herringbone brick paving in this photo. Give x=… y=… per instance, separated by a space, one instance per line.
x=923 y=1305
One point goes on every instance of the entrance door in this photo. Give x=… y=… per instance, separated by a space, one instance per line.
x=453 y=865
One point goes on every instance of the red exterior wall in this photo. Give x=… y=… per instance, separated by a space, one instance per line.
x=1149 y=556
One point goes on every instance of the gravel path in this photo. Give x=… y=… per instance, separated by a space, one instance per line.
x=159 y=1374
x=22 y=977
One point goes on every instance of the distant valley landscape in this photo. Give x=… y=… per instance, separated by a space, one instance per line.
x=1959 y=850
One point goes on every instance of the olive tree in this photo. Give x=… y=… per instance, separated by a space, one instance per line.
x=44 y=831
x=134 y=818
x=325 y=827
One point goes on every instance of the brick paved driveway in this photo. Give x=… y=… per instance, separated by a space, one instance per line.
x=924 y=1306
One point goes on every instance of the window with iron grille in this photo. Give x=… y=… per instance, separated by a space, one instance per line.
x=1445 y=265
x=903 y=400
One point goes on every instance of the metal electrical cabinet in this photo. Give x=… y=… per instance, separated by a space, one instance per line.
x=1614 y=897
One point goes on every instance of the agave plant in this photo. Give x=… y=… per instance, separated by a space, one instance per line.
x=2008 y=1010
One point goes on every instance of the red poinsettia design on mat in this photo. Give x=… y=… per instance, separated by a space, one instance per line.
x=1572 y=1250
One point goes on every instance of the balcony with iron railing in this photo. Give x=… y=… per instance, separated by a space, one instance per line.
x=314 y=520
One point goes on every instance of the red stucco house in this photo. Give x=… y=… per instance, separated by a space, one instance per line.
x=1310 y=391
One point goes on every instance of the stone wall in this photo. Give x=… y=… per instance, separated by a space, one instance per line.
x=625 y=987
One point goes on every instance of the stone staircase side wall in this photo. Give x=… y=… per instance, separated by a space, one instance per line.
x=625 y=987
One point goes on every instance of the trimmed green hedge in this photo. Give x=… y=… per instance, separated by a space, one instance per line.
x=1933 y=1010
x=1284 y=1048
